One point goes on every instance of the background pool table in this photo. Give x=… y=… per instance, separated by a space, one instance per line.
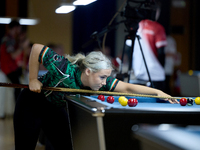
x=100 y=125
x=165 y=136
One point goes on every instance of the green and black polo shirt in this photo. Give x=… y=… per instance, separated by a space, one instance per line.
x=61 y=73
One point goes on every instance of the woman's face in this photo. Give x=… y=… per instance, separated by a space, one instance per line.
x=98 y=79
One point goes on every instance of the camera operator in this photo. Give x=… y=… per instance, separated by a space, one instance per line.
x=153 y=40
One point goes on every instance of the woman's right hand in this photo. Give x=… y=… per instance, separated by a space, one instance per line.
x=35 y=85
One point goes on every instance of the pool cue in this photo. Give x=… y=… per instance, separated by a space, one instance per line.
x=12 y=85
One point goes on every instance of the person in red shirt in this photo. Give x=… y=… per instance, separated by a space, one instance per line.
x=9 y=51
x=153 y=41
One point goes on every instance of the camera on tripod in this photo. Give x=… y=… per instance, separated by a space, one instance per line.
x=134 y=12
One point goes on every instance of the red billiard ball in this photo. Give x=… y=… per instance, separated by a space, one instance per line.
x=110 y=99
x=132 y=102
x=101 y=97
x=183 y=101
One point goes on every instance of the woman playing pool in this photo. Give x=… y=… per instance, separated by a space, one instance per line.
x=37 y=109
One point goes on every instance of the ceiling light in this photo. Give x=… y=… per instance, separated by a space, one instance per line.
x=22 y=21
x=28 y=21
x=5 y=20
x=83 y=2
x=65 y=8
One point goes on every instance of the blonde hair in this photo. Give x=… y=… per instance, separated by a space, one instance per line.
x=95 y=61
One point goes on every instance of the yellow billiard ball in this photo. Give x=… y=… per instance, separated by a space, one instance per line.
x=121 y=98
x=124 y=102
x=197 y=100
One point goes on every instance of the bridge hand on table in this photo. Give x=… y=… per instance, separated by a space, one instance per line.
x=171 y=100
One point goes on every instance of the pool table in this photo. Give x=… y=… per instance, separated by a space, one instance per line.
x=171 y=137
x=97 y=125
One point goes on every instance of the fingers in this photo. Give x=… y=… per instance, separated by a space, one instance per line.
x=35 y=86
x=173 y=101
x=37 y=90
x=176 y=101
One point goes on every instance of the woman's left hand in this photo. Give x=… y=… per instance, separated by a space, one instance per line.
x=171 y=100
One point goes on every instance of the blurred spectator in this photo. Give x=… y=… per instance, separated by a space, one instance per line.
x=24 y=43
x=9 y=51
x=23 y=58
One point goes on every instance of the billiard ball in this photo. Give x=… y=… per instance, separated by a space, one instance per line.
x=132 y=102
x=183 y=101
x=190 y=101
x=101 y=97
x=121 y=98
x=124 y=102
x=197 y=100
x=110 y=99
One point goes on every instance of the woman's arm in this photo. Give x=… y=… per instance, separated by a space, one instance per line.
x=34 y=84
x=139 y=89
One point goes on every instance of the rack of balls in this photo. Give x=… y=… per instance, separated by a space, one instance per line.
x=189 y=101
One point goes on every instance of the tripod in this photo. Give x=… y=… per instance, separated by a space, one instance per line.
x=132 y=35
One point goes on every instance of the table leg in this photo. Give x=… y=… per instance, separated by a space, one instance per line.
x=101 y=133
